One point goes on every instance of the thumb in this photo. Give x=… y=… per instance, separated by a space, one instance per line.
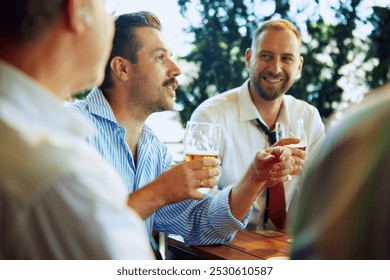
x=197 y=195
x=263 y=159
x=287 y=141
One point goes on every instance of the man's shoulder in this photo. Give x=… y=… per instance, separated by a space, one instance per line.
x=94 y=99
x=151 y=135
x=221 y=100
x=218 y=108
x=81 y=105
x=57 y=159
x=299 y=104
x=152 y=138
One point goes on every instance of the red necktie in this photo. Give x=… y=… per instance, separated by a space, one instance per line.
x=275 y=208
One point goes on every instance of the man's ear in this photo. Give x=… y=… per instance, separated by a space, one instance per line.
x=120 y=68
x=85 y=16
x=79 y=15
x=248 y=54
x=300 y=66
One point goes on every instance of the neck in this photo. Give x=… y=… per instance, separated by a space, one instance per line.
x=268 y=110
x=128 y=115
x=44 y=62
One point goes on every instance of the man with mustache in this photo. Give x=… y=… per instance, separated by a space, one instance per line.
x=249 y=112
x=140 y=79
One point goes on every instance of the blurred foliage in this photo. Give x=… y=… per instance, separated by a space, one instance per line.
x=329 y=46
x=82 y=94
x=220 y=41
x=379 y=47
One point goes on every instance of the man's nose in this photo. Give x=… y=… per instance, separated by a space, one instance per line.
x=174 y=70
x=275 y=66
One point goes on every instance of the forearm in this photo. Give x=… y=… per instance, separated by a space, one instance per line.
x=174 y=185
x=268 y=168
x=204 y=222
x=146 y=201
x=244 y=194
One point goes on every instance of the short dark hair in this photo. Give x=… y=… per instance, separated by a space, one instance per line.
x=27 y=20
x=126 y=43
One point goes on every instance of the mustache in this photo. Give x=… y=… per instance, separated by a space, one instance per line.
x=171 y=82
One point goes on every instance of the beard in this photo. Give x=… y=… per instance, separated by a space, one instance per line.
x=270 y=93
x=147 y=95
x=161 y=102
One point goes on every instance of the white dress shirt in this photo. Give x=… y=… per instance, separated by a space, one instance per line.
x=235 y=111
x=58 y=198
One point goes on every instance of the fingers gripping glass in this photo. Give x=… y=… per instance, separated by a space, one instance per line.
x=295 y=129
x=202 y=140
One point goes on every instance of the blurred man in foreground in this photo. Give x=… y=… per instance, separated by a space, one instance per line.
x=58 y=198
x=344 y=211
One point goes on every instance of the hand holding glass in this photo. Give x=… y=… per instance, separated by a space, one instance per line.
x=295 y=129
x=202 y=140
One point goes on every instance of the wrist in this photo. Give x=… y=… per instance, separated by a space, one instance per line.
x=146 y=200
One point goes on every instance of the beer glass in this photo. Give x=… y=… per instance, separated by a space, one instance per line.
x=202 y=140
x=294 y=129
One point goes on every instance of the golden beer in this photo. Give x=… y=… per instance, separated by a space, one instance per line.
x=192 y=156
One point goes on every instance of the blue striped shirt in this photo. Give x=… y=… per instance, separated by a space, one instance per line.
x=208 y=221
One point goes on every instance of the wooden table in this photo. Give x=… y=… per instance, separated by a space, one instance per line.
x=247 y=245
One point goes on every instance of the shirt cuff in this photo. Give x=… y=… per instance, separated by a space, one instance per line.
x=221 y=216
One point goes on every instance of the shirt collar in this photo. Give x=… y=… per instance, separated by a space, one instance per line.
x=248 y=111
x=99 y=106
x=29 y=107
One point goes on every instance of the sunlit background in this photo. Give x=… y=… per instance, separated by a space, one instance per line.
x=166 y=124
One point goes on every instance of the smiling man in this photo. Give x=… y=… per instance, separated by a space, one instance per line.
x=249 y=113
x=140 y=79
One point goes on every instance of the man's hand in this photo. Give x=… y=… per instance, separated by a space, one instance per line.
x=273 y=165
x=182 y=180
x=298 y=154
x=269 y=167
x=176 y=184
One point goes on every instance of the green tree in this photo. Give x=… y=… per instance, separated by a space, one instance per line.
x=380 y=40
x=330 y=47
x=220 y=41
x=225 y=32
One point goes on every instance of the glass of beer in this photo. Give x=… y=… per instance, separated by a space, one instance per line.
x=202 y=140
x=294 y=129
